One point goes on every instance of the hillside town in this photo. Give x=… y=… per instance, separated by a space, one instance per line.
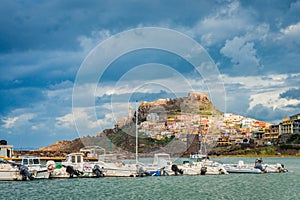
x=220 y=129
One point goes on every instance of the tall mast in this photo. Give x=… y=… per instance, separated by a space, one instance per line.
x=136 y=134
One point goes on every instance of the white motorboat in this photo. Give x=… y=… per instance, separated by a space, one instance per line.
x=34 y=166
x=257 y=168
x=162 y=166
x=202 y=166
x=274 y=168
x=112 y=166
x=74 y=166
x=10 y=171
x=241 y=167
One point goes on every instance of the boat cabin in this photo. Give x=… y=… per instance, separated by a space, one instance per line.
x=30 y=161
x=92 y=151
x=74 y=158
x=162 y=159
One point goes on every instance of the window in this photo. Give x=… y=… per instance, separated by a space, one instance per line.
x=36 y=161
x=73 y=159
x=78 y=159
x=25 y=162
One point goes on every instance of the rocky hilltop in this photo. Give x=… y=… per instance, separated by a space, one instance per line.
x=194 y=103
x=64 y=146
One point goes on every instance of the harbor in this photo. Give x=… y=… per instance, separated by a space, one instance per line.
x=74 y=165
x=247 y=186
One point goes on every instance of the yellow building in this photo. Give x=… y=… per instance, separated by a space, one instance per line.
x=290 y=125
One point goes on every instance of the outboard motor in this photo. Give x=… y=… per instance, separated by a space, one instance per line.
x=203 y=170
x=25 y=173
x=142 y=172
x=281 y=168
x=72 y=171
x=98 y=171
x=176 y=170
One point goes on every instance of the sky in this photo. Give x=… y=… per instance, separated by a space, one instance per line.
x=45 y=45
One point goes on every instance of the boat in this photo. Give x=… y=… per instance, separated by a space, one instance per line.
x=274 y=168
x=112 y=166
x=162 y=166
x=202 y=166
x=11 y=171
x=257 y=168
x=33 y=164
x=241 y=167
x=74 y=166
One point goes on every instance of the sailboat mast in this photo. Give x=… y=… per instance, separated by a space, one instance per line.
x=136 y=133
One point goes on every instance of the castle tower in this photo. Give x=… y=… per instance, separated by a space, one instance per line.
x=130 y=112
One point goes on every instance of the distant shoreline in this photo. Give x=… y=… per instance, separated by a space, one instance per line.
x=255 y=156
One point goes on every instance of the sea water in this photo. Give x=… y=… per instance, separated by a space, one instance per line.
x=232 y=186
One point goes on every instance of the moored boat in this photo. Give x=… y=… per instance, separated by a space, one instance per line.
x=162 y=166
x=202 y=166
x=258 y=168
x=112 y=166
x=34 y=166
x=241 y=167
x=74 y=166
x=10 y=171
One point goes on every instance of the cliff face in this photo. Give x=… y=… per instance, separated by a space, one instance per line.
x=194 y=103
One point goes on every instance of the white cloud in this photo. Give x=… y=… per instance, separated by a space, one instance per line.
x=242 y=53
x=261 y=91
x=292 y=30
x=257 y=83
x=18 y=120
x=290 y=34
x=87 y=43
x=65 y=121
x=9 y=122
x=272 y=100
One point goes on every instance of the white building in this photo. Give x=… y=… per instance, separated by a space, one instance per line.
x=6 y=151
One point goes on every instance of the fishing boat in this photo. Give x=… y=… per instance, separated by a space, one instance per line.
x=74 y=166
x=10 y=171
x=33 y=164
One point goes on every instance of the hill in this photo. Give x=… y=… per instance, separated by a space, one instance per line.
x=123 y=137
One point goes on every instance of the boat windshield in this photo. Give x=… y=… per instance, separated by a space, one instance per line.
x=162 y=159
x=31 y=161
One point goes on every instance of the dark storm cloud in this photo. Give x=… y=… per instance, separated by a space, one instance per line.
x=19 y=98
x=57 y=24
x=293 y=93
x=43 y=43
x=263 y=113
